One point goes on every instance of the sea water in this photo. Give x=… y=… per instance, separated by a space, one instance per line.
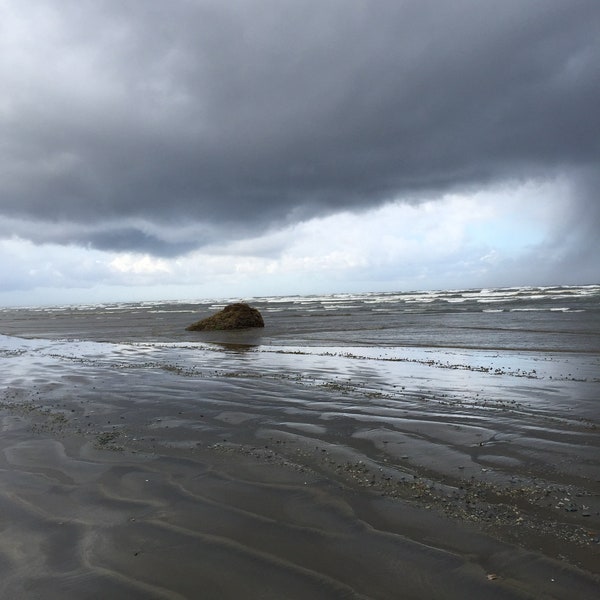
x=557 y=319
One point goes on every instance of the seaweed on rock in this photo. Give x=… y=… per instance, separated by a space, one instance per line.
x=234 y=316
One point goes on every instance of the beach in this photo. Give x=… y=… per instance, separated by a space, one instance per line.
x=376 y=446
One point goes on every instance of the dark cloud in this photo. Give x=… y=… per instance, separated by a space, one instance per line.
x=576 y=240
x=241 y=115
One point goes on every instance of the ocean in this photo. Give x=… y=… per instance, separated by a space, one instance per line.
x=445 y=437
x=558 y=319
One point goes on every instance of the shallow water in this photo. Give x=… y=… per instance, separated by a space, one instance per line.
x=372 y=446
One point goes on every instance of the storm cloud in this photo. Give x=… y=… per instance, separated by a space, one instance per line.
x=161 y=127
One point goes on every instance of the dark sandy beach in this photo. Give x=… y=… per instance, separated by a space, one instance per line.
x=196 y=470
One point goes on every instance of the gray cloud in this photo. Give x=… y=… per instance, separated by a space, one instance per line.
x=238 y=116
x=576 y=239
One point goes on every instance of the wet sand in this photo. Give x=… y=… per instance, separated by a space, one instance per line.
x=163 y=472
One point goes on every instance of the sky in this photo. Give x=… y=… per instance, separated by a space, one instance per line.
x=209 y=149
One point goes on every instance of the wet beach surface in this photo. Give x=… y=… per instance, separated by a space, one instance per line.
x=171 y=471
x=140 y=461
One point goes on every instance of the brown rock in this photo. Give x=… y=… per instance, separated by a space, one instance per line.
x=234 y=316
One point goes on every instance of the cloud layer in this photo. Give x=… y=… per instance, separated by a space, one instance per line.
x=161 y=127
x=207 y=148
x=488 y=238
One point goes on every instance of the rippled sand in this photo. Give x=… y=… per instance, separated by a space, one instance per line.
x=132 y=471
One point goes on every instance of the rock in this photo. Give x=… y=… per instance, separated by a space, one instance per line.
x=234 y=316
